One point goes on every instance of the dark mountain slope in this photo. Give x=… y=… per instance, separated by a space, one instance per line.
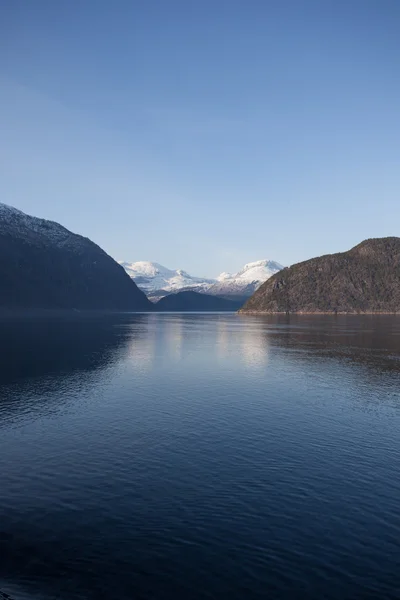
x=193 y=301
x=43 y=265
x=366 y=279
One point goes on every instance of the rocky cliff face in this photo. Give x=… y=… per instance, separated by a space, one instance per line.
x=43 y=265
x=366 y=279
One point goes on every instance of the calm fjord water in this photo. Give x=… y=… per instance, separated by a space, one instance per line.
x=200 y=456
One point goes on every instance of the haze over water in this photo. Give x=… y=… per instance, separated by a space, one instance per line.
x=200 y=456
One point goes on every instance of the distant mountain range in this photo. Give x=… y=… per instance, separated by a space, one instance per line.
x=366 y=279
x=158 y=281
x=43 y=265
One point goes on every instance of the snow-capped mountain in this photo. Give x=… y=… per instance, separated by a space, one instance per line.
x=246 y=281
x=157 y=281
x=259 y=270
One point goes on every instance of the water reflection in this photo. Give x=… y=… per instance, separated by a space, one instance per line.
x=174 y=335
x=141 y=356
x=255 y=347
x=370 y=340
x=199 y=451
x=43 y=346
x=249 y=345
x=223 y=341
x=42 y=357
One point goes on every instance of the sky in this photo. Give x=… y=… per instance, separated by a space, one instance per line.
x=204 y=134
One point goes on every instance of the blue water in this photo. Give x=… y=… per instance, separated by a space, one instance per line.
x=200 y=456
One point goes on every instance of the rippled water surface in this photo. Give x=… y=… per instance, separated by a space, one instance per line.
x=200 y=456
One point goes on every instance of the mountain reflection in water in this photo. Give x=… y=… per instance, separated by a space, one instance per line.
x=199 y=456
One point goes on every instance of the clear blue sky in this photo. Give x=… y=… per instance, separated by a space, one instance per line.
x=204 y=134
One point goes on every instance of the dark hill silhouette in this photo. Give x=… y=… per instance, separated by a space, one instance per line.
x=366 y=279
x=43 y=265
x=194 y=301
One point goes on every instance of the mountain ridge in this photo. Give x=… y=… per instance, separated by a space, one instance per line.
x=152 y=277
x=364 y=279
x=158 y=281
x=44 y=265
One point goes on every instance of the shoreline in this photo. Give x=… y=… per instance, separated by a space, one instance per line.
x=333 y=314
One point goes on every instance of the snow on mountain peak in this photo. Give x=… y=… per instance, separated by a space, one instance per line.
x=37 y=230
x=6 y=210
x=257 y=263
x=247 y=280
x=144 y=268
x=157 y=280
x=152 y=277
x=259 y=270
x=224 y=276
